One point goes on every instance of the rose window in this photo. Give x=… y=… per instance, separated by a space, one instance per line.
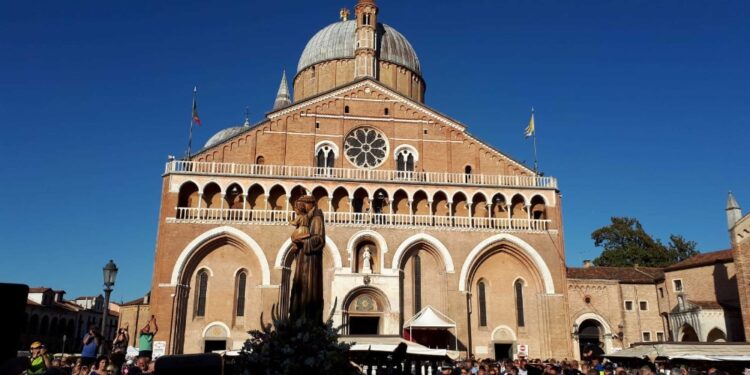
x=365 y=147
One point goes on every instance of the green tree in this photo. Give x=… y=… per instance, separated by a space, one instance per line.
x=626 y=243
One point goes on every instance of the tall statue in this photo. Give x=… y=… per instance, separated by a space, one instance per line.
x=366 y=259
x=308 y=240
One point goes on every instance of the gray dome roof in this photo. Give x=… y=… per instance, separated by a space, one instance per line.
x=223 y=135
x=336 y=41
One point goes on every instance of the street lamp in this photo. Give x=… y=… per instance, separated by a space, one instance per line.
x=110 y=273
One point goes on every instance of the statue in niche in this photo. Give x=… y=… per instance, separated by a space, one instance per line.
x=366 y=260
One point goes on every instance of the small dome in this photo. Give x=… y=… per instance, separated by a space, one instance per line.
x=223 y=135
x=337 y=41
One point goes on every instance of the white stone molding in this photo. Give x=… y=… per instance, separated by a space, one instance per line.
x=406 y=147
x=210 y=271
x=430 y=240
x=217 y=323
x=287 y=245
x=501 y=327
x=214 y=233
x=539 y=262
x=329 y=144
x=371 y=234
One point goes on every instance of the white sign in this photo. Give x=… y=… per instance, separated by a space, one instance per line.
x=523 y=350
x=480 y=350
x=160 y=348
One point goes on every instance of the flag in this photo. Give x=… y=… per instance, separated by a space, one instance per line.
x=196 y=118
x=530 y=129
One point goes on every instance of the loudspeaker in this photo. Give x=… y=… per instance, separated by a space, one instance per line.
x=12 y=318
x=189 y=364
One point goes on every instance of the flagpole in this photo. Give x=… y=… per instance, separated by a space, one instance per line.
x=536 y=160
x=190 y=133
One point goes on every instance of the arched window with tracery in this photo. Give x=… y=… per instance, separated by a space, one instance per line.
x=325 y=157
x=200 y=293
x=519 y=303
x=482 y=292
x=406 y=158
x=241 y=281
x=417 y=283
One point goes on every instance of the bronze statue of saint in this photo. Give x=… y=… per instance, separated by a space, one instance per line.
x=306 y=301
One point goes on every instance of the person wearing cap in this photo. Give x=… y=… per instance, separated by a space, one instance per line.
x=39 y=359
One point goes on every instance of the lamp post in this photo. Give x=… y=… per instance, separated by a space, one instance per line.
x=110 y=273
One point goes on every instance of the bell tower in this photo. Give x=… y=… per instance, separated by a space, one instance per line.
x=366 y=16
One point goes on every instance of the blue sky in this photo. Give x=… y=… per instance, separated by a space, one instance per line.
x=641 y=110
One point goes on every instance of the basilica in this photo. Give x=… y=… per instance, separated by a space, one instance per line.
x=433 y=236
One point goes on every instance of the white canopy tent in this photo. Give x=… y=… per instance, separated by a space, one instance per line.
x=430 y=318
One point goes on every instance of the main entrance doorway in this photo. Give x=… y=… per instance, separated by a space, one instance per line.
x=503 y=351
x=211 y=345
x=590 y=338
x=363 y=325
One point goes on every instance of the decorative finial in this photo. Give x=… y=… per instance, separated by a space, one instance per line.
x=247 y=116
x=344 y=14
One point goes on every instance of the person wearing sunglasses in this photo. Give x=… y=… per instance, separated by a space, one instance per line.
x=40 y=361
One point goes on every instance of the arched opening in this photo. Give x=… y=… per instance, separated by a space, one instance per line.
x=188 y=195
x=482 y=296
x=53 y=326
x=401 y=204
x=518 y=292
x=361 y=201
x=517 y=207
x=215 y=337
x=422 y=280
x=420 y=208
x=380 y=202
x=688 y=334
x=590 y=338
x=364 y=310
x=340 y=204
x=201 y=292
x=234 y=197
x=440 y=209
x=405 y=160
x=325 y=157
x=538 y=208
x=211 y=196
x=460 y=210
x=277 y=198
x=241 y=284
x=206 y=279
x=260 y=160
x=716 y=335
x=366 y=254
x=34 y=324
x=44 y=326
x=255 y=201
x=321 y=199
x=468 y=178
x=479 y=211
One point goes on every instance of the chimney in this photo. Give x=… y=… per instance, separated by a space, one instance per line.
x=587 y=263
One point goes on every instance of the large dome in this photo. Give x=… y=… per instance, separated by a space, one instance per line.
x=336 y=41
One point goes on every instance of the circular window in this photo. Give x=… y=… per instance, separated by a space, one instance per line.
x=366 y=147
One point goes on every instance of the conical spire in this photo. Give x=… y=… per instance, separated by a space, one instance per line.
x=282 y=97
x=734 y=213
x=731 y=202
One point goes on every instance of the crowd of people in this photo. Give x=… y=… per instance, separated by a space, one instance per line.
x=95 y=357
x=591 y=366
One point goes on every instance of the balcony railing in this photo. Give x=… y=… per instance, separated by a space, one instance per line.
x=280 y=217
x=350 y=174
